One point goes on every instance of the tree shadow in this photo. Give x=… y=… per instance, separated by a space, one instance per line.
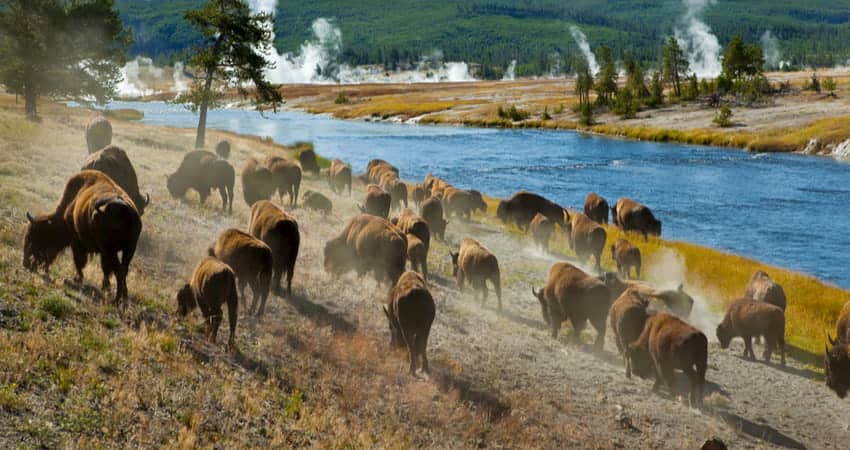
x=758 y=431
x=319 y=313
x=799 y=372
x=494 y=408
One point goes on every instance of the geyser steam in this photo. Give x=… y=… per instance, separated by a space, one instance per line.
x=697 y=40
x=584 y=47
x=772 y=55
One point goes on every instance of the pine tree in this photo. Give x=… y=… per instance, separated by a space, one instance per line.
x=674 y=65
x=606 y=79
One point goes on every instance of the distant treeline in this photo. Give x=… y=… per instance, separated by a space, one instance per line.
x=492 y=33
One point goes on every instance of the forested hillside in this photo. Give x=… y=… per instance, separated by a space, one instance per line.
x=534 y=32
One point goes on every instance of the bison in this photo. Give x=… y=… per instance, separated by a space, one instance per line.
x=203 y=171
x=376 y=202
x=837 y=355
x=98 y=134
x=459 y=202
x=286 y=176
x=417 y=253
x=671 y=343
x=339 y=176
x=541 y=229
x=632 y=216
x=251 y=260
x=222 y=149
x=475 y=263
x=431 y=211
x=368 y=243
x=309 y=162
x=115 y=163
x=572 y=294
x=409 y=222
x=762 y=288
x=523 y=206
x=376 y=168
x=257 y=181
x=398 y=191
x=213 y=284
x=419 y=194
x=627 y=256
x=94 y=215
x=478 y=203
x=317 y=201
x=279 y=231
x=626 y=318
x=748 y=318
x=587 y=238
x=410 y=311
x=596 y=208
x=676 y=300
x=435 y=185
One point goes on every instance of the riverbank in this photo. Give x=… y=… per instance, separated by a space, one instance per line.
x=800 y=121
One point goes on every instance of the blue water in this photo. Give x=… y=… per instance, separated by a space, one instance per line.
x=785 y=210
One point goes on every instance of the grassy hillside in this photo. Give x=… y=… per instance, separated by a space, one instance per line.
x=493 y=32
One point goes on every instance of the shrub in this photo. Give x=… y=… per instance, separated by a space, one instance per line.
x=341 y=99
x=559 y=109
x=57 y=306
x=829 y=84
x=517 y=115
x=586 y=115
x=723 y=118
x=546 y=115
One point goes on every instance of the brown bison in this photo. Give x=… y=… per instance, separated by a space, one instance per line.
x=478 y=203
x=626 y=318
x=368 y=243
x=419 y=194
x=596 y=208
x=203 y=171
x=376 y=202
x=94 y=215
x=309 y=162
x=410 y=311
x=473 y=262
x=409 y=222
x=376 y=169
x=459 y=202
x=671 y=343
x=257 y=182
x=252 y=262
x=213 y=284
x=339 y=176
x=627 y=256
x=676 y=300
x=748 y=318
x=435 y=185
x=114 y=162
x=431 y=211
x=396 y=188
x=587 y=238
x=98 y=134
x=523 y=206
x=417 y=253
x=762 y=288
x=837 y=355
x=279 y=231
x=572 y=294
x=632 y=216
x=222 y=149
x=317 y=201
x=541 y=229
x=286 y=176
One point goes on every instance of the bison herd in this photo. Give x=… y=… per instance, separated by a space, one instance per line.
x=101 y=207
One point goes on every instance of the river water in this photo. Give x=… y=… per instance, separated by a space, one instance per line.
x=783 y=209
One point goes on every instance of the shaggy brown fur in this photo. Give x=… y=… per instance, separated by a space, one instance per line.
x=376 y=202
x=435 y=185
x=627 y=256
x=257 y=181
x=587 y=238
x=572 y=294
x=431 y=211
x=252 y=262
x=596 y=208
x=475 y=263
x=287 y=178
x=748 y=318
x=420 y=193
x=279 y=231
x=632 y=216
x=339 y=176
x=368 y=243
x=837 y=355
x=376 y=169
x=317 y=201
x=203 y=171
x=410 y=311
x=98 y=134
x=523 y=206
x=213 y=284
x=409 y=222
x=626 y=319
x=478 y=203
x=94 y=216
x=222 y=149
x=398 y=191
x=762 y=288
x=309 y=162
x=115 y=163
x=417 y=253
x=459 y=202
x=541 y=229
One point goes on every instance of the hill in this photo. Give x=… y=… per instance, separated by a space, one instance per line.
x=494 y=32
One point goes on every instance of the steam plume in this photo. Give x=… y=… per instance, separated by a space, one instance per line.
x=584 y=47
x=772 y=54
x=697 y=40
x=510 y=72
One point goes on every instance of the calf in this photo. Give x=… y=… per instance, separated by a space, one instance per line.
x=541 y=229
x=475 y=263
x=317 y=201
x=627 y=256
x=213 y=284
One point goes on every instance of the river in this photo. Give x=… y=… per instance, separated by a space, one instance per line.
x=783 y=209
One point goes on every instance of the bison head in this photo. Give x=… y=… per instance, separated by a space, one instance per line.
x=396 y=339
x=185 y=300
x=503 y=211
x=176 y=186
x=44 y=238
x=616 y=286
x=454 y=256
x=837 y=367
x=724 y=335
x=654 y=227
x=543 y=305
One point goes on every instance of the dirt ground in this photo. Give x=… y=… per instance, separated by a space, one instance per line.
x=499 y=380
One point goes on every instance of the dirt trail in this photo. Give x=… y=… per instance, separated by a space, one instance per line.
x=502 y=363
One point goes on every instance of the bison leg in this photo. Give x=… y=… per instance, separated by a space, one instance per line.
x=264 y=281
x=421 y=347
x=81 y=257
x=599 y=326
x=748 y=348
x=213 y=323
x=277 y=275
x=769 y=343
x=108 y=268
x=637 y=271
x=242 y=283
x=232 y=316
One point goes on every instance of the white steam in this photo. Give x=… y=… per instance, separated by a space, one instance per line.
x=140 y=77
x=584 y=47
x=696 y=39
x=772 y=54
x=510 y=72
x=180 y=82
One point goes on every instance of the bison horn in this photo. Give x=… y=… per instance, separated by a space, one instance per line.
x=147 y=199
x=30 y=218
